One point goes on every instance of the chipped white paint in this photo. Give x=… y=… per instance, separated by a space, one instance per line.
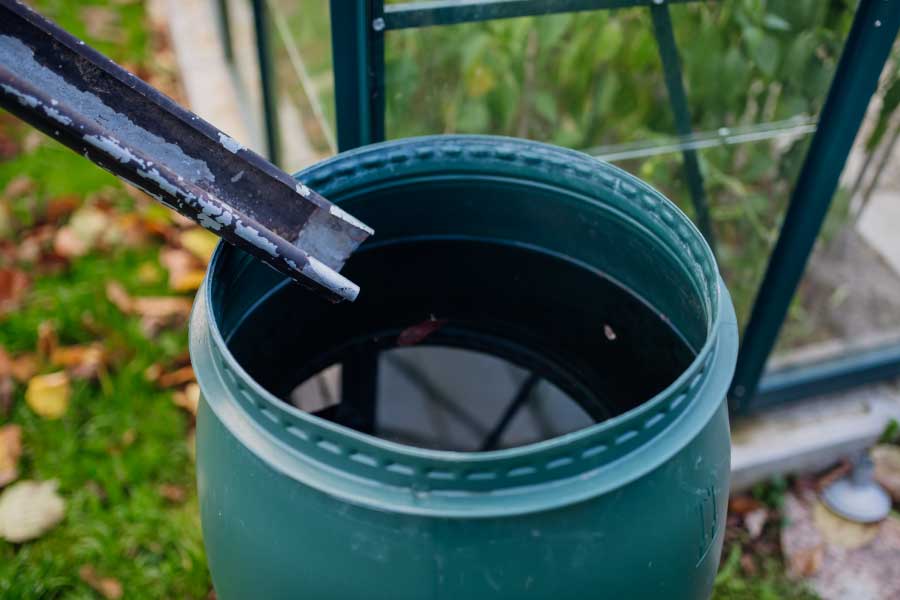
x=237 y=177
x=127 y=133
x=57 y=116
x=162 y=182
x=303 y=190
x=111 y=147
x=24 y=99
x=328 y=277
x=343 y=215
x=229 y=143
x=253 y=236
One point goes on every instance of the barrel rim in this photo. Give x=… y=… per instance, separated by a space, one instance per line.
x=374 y=471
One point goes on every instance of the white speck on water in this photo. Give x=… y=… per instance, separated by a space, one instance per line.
x=609 y=333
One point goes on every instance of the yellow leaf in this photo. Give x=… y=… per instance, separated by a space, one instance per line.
x=48 y=395
x=199 y=242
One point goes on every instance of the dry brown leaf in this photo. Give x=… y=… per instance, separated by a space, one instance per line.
x=62 y=206
x=14 y=284
x=19 y=186
x=67 y=244
x=176 y=377
x=162 y=307
x=22 y=367
x=6 y=396
x=741 y=505
x=28 y=509
x=81 y=361
x=117 y=295
x=48 y=395
x=755 y=520
x=199 y=242
x=47 y=339
x=188 y=398
x=108 y=587
x=806 y=562
x=185 y=270
x=10 y=452
x=173 y=493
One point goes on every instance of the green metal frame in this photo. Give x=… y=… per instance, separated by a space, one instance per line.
x=358 y=30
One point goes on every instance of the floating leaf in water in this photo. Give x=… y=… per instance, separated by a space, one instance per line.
x=48 y=395
x=28 y=509
x=415 y=334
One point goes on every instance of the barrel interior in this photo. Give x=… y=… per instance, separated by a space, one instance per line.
x=492 y=314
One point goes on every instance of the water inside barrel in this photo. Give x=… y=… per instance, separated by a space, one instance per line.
x=589 y=341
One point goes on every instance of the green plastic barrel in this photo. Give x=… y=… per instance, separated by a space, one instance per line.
x=556 y=262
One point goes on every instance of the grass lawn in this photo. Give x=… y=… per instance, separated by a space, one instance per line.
x=121 y=452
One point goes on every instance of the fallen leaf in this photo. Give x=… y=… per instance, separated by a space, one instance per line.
x=18 y=187
x=81 y=361
x=62 y=206
x=108 y=587
x=28 y=509
x=48 y=395
x=741 y=505
x=6 y=396
x=199 y=242
x=755 y=520
x=68 y=244
x=128 y=437
x=33 y=140
x=188 y=398
x=149 y=273
x=10 y=452
x=22 y=367
x=185 y=270
x=173 y=493
x=417 y=333
x=887 y=468
x=7 y=226
x=89 y=224
x=117 y=295
x=176 y=377
x=13 y=285
x=157 y=307
x=47 y=340
x=806 y=562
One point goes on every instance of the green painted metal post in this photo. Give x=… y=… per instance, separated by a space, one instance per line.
x=668 y=52
x=867 y=48
x=266 y=78
x=224 y=15
x=357 y=46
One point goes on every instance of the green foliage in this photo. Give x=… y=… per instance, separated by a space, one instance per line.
x=770 y=584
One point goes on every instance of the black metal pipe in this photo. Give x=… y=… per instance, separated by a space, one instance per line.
x=84 y=100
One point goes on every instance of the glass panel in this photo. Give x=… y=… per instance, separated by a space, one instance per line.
x=849 y=298
x=301 y=42
x=755 y=73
